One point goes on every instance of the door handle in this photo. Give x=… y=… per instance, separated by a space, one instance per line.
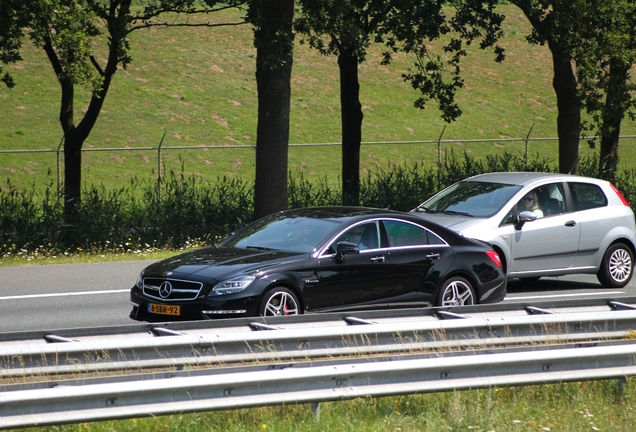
x=570 y=223
x=377 y=259
x=434 y=255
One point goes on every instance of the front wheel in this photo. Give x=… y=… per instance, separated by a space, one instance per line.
x=278 y=302
x=617 y=266
x=456 y=291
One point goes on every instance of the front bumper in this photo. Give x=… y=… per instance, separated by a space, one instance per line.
x=231 y=306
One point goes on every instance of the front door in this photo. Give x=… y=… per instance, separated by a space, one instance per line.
x=361 y=280
x=550 y=242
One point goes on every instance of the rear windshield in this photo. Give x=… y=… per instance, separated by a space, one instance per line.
x=470 y=198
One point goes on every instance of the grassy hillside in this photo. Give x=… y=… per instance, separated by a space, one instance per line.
x=197 y=86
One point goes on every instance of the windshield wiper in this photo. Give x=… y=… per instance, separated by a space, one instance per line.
x=457 y=213
x=259 y=248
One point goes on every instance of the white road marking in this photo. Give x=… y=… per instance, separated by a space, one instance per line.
x=565 y=295
x=79 y=293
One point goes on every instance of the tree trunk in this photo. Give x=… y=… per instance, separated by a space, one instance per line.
x=569 y=107
x=74 y=137
x=72 y=178
x=351 y=117
x=613 y=113
x=565 y=87
x=273 y=39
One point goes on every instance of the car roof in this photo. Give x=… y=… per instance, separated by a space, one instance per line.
x=338 y=212
x=527 y=178
x=353 y=214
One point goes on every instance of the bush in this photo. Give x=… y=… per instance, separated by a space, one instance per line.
x=190 y=211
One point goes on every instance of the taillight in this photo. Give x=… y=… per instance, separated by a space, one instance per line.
x=620 y=195
x=494 y=256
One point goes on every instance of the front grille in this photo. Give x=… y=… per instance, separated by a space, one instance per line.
x=171 y=289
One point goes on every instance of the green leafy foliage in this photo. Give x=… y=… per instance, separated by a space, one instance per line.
x=188 y=210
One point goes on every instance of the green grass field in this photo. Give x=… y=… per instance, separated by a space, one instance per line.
x=197 y=86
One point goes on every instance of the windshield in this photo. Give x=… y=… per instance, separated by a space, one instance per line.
x=469 y=198
x=283 y=232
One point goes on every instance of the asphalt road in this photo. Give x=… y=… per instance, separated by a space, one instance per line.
x=66 y=295
x=94 y=295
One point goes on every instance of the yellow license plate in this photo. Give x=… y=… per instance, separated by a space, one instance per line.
x=164 y=309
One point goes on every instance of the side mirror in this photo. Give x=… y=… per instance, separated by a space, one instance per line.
x=345 y=248
x=523 y=217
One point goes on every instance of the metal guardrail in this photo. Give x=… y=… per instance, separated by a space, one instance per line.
x=63 y=403
x=348 y=336
x=311 y=359
x=312 y=337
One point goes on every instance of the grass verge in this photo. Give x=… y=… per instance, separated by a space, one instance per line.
x=568 y=407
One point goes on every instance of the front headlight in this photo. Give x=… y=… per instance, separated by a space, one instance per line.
x=140 y=281
x=234 y=285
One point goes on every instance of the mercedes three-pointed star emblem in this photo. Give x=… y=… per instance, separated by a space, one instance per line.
x=165 y=289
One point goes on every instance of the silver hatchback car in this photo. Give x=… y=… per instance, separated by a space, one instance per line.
x=543 y=224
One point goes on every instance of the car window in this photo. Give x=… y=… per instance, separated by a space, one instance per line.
x=365 y=235
x=470 y=198
x=548 y=200
x=587 y=196
x=543 y=201
x=406 y=234
x=551 y=199
x=529 y=202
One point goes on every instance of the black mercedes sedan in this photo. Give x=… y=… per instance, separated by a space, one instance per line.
x=321 y=259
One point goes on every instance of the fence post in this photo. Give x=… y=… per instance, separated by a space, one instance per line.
x=159 y=167
x=59 y=172
x=527 y=145
x=439 y=156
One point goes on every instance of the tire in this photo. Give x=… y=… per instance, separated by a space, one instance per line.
x=456 y=291
x=617 y=266
x=279 y=302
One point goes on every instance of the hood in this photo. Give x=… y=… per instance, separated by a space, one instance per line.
x=219 y=263
x=454 y=222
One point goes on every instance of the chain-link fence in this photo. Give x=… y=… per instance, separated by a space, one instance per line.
x=439 y=145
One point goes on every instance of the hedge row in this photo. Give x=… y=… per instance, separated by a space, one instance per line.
x=192 y=210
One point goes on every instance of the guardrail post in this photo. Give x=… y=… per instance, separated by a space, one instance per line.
x=620 y=391
x=315 y=409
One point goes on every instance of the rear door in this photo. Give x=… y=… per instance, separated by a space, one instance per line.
x=415 y=257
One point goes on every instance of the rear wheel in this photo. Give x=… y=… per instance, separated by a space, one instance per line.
x=617 y=266
x=456 y=291
x=279 y=301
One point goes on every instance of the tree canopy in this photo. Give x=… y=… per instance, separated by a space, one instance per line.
x=347 y=29
x=604 y=60
x=85 y=41
x=593 y=48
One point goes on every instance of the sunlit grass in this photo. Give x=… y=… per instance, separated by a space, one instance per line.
x=569 y=407
x=44 y=256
